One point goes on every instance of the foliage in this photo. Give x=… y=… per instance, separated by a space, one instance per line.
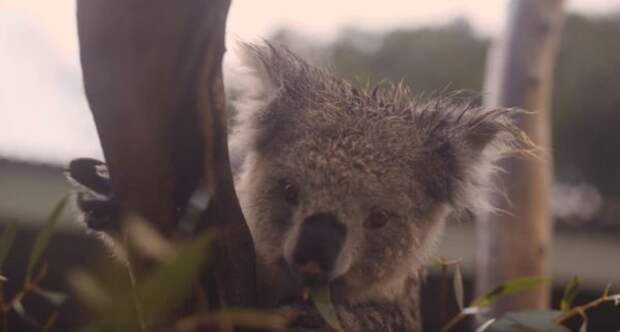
x=159 y=294
x=322 y=300
x=34 y=275
x=529 y=320
x=156 y=295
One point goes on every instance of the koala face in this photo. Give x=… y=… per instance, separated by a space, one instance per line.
x=342 y=207
x=352 y=187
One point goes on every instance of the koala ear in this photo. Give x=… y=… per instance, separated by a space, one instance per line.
x=481 y=138
x=480 y=134
x=256 y=59
x=271 y=66
x=491 y=130
x=267 y=70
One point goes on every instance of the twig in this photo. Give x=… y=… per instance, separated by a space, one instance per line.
x=580 y=310
x=135 y=298
x=230 y=318
x=445 y=264
x=443 y=296
x=34 y=282
x=453 y=322
x=50 y=322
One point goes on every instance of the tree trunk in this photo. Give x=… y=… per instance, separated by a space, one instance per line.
x=153 y=79
x=516 y=242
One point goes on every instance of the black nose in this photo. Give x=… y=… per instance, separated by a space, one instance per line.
x=319 y=243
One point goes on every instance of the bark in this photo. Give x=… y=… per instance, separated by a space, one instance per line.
x=517 y=242
x=153 y=78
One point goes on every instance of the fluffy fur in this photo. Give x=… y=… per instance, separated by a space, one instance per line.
x=354 y=151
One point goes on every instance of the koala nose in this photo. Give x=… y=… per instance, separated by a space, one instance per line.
x=319 y=243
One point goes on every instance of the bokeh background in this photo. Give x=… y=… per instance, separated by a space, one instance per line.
x=45 y=120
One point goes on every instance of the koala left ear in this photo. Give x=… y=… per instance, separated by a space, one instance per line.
x=257 y=59
x=492 y=130
x=480 y=134
x=274 y=76
x=481 y=138
x=463 y=145
x=272 y=66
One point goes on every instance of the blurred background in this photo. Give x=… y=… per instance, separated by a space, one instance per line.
x=45 y=120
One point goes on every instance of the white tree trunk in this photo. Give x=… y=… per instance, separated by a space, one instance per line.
x=517 y=242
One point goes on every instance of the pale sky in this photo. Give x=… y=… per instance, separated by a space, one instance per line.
x=43 y=113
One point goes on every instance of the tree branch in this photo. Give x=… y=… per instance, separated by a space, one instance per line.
x=153 y=79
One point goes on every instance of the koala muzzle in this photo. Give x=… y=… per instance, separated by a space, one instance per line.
x=319 y=243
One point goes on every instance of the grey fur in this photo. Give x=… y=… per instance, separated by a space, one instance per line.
x=353 y=151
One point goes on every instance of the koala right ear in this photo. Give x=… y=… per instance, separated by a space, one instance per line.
x=256 y=60
x=272 y=75
x=271 y=65
x=263 y=72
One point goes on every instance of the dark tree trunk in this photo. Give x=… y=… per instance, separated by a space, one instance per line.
x=153 y=79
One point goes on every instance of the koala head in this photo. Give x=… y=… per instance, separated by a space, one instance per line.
x=352 y=186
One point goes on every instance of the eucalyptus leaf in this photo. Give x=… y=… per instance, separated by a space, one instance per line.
x=484 y=326
x=616 y=299
x=322 y=300
x=607 y=289
x=245 y=319
x=509 y=287
x=159 y=294
x=55 y=298
x=468 y=311
x=89 y=290
x=6 y=241
x=458 y=287
x=147 y=241
x=530 y=321
x=570 y=292
x=44 y=236
x=167 y=288
x=18 y=307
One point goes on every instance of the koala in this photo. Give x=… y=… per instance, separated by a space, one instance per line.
x=351 y=187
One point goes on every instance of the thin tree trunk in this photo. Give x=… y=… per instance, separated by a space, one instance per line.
x=517 y=242
x=153 y=79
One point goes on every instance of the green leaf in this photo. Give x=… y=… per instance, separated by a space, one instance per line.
x=530 y=321
x=607 y=289
x=146 y=240
x=6 y=241
x=570 y=292
x=322 y=300
x=18 y=307
x=510 y=287
x=89 y=290
x=484 y=326
x=245 y=319
x=472 y=310
x=457 y=281
x=172 y=282
x=55 y=298
x=616 y=299
x=162 y=291
x=44 y=236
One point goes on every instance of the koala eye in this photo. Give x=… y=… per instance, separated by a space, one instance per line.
x=377 y=219
x=290 y=192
